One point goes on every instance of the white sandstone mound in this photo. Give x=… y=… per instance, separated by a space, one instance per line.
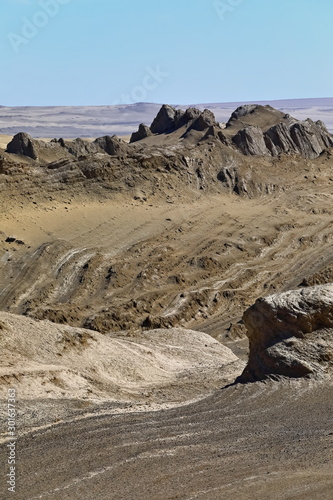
x=45 y=360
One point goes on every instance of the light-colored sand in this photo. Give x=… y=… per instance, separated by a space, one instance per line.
x=42 y=359
x=4 y=140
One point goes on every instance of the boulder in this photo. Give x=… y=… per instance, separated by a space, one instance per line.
x=142 y=133
x=23 y=144
x=290 y=334
x=250 y=140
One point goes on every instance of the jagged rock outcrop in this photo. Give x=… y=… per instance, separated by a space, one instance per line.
x=78 y=147
x=170 y=119
x=205 y=120
x=143 y=132
x=251 y=141
x=164 y=121
x=311 y=138
x=23 y=144
x=241 y=111
x=278 y=140
x=214 y=132
x=290 y=334
x=111 y=145
x=288 y=136
x=265 y=131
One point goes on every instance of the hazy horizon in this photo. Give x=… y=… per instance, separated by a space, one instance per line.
x=94 y=121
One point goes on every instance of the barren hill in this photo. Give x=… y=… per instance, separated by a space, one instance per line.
x=136 y=255
x=183 y=227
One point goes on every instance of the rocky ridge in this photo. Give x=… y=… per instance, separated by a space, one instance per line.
x=155 y=282
x=264 y=131
x=254 y=129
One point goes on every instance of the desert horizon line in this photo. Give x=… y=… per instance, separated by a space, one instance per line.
x=253 y=101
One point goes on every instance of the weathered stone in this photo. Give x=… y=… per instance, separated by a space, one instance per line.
x=278 y=140
x=78 y=147
x=23 y=144
x=241 y=111
x=309 y=138
x=250 y=141
x=113 y=146
x=205 y=120
x=290 y=334
x=142 y=133
x=164 y=121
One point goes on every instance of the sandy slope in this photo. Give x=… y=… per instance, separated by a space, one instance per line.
x=43 y=360
x=79 y=363
x=101 y=253
x=269 y=441
x=223 y=251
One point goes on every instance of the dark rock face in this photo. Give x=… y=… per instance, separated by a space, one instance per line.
x=308 y=139
x=78 y=147
x=251 y=141
x=23 y=144
x=205 y=120
x=170 y=119
x=142 y=133
x=189 y=115
x=291 y=334
x=164 y=121
x=111 y=145
x=278 y=140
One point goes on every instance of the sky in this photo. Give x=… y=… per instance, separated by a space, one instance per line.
x=104 y=52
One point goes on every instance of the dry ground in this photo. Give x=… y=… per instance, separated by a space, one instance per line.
x=130 y=262
x=269 y=441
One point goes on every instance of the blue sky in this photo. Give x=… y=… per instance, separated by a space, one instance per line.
x=98 y=52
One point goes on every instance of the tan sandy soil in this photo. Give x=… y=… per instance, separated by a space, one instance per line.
x=4 y=140
x=268 y=441
x=222 y=250
x=133 y=246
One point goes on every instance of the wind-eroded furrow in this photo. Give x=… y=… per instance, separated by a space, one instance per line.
x=207 y=263
x=239 y=438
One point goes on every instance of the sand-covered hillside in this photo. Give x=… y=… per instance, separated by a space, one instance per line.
x=126 y=270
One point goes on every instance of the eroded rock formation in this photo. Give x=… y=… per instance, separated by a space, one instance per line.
x=290 y=334
x=23 y=144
